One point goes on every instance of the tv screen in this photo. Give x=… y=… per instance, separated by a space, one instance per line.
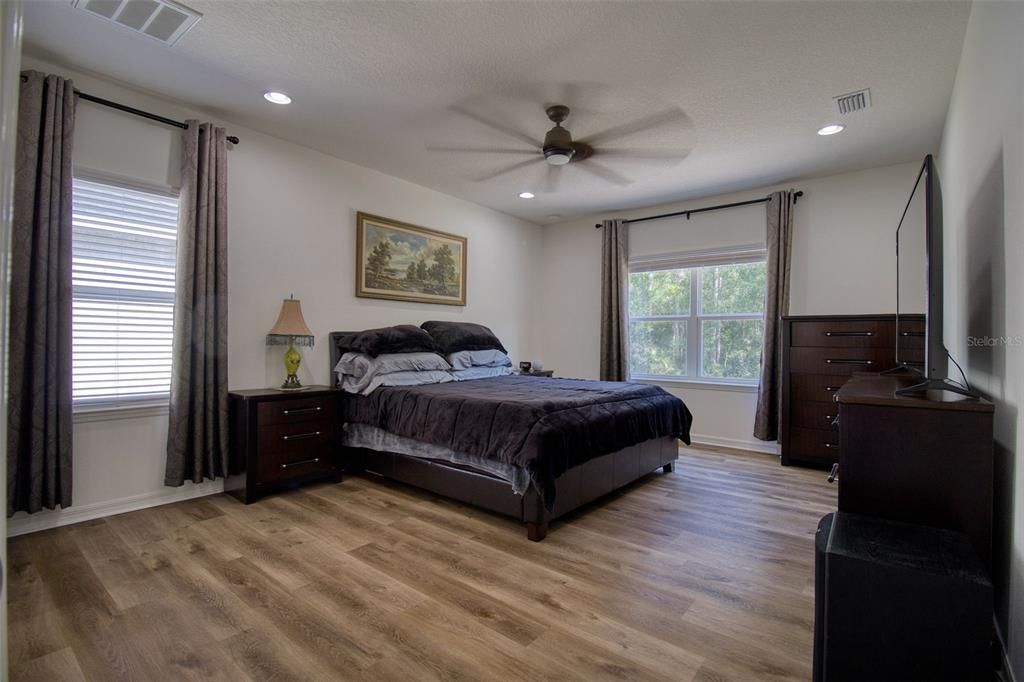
x=912 y=276
x=921 y=226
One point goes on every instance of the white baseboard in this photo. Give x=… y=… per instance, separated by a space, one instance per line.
x=767 y=447
x=22 y=523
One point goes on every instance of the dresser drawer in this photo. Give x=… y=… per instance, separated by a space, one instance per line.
x=813 y=445
x=808 y=415
x=286 y=451
x=294 y=410
x=840 y=361
x=854 y=333
x=815 y=388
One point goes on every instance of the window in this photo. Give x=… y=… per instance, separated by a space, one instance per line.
x=699 y=319
x=122 y=274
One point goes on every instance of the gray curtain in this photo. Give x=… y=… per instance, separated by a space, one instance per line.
x=614 y=291
x=197 y=433
x=769 y=390
x=39 y=375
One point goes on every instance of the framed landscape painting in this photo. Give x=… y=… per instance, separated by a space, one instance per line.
x=404 y=262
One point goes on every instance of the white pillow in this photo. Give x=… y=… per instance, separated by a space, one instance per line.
x=464 y=359
x=481 y=373
x=367 y=384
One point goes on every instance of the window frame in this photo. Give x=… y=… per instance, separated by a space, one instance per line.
x=696 y=261
x=144 y=405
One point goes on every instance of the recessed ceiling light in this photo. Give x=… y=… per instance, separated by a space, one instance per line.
x=831 y=129
x=526 y=195
x=277 y=97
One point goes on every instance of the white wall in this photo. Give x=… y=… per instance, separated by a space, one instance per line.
x=291 y=230
x=981 y=166
x=843 y=264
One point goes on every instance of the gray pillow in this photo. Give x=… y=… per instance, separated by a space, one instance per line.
x=367 y=385
x=464 y=359
x=481 y=373
x=359 y=364
x=451 y=337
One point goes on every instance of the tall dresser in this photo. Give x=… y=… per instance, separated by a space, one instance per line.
x=819 y=353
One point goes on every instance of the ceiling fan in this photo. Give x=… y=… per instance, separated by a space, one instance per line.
x=559 y=149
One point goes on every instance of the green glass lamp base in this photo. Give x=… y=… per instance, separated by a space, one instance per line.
x=292 y=360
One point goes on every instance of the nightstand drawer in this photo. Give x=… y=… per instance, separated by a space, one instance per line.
x=295 y=410
x=291 y=450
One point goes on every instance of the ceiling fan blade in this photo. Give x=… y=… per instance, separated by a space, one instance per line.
x=603 y=172
x=522 y=137
x=646 y=154
x=645 y=123
x=506 y=169
x=485 y=150
x=552 y=178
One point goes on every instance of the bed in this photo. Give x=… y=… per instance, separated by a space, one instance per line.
x=531 y=448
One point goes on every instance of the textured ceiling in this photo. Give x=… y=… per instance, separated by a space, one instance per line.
x=739 y=88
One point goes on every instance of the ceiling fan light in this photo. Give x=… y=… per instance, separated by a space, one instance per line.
x=557 y=157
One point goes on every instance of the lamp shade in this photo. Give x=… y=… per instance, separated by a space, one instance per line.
x=290 y=326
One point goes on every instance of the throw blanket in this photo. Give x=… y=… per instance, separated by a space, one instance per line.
x=544 y=425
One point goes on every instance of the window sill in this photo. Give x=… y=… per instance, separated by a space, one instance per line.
x=83 y=415
x=682 y=382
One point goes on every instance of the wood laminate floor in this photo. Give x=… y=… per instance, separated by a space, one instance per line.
x=701 y=574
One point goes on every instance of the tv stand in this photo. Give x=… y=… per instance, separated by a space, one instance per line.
x=924 y=458
x=936 y=385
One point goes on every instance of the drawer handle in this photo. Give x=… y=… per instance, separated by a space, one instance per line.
x=911 y=333
x=831 y=446
x=302 y=410
x=831 y=389
x=831 y=418
x=832 y=361
x=849 y=333
x=300 y=436
x=305 y=461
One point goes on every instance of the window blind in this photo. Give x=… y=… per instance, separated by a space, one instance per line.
x=122 y=272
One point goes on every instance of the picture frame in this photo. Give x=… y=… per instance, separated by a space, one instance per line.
x=400 y=261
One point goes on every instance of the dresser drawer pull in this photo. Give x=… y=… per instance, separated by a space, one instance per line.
x=300 y=436
x=831 y=389
x=305 y=461
x=911 y=333
x=302 y=410
x=849 y=333
x=831 y=446
x=831 y=418
x=832 y=361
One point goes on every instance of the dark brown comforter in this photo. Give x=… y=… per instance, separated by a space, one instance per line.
x=544 y=425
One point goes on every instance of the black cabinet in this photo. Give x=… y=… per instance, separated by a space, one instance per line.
x=896 y=601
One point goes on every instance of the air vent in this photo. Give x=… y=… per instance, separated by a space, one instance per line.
x=161 y=20
x=852 y=102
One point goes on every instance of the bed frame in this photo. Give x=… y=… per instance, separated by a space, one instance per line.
x=575 y=488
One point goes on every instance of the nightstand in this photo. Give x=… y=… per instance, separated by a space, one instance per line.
x=280 y=439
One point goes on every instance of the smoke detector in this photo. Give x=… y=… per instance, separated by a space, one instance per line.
x=161 y=20
x=852 y=102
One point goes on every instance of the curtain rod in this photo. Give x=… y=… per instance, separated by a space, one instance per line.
x=796 y=195
x=137 y=112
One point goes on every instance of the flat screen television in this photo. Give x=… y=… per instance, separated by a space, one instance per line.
x=919 y=284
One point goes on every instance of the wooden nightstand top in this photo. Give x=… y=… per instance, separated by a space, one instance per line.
x=276 y=394
x=538 y=373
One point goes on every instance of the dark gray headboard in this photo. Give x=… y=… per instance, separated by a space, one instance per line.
x=335 y=356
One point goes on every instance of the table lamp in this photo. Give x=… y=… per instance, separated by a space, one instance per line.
x=291 y=330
